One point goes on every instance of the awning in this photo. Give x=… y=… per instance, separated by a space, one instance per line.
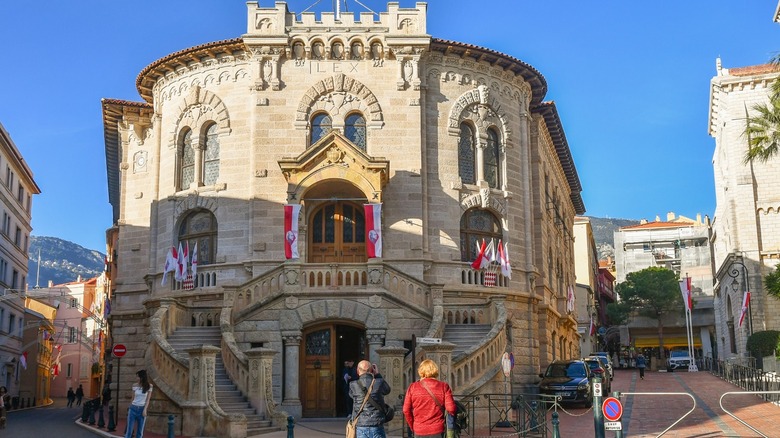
x=669 y=342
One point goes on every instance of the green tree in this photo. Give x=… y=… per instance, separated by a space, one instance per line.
x=763 y=129
x=772 y=282
x=652 y=292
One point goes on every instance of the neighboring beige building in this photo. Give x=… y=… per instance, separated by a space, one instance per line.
x=17 y=186
x=679 y=244
x=38 y=339
x=746 y=227
x=330 y=113
x=586 y=271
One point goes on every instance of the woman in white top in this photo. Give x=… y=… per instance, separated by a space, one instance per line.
x=142 y=393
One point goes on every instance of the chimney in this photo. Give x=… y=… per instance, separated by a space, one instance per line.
x=51 y=283
x=698 y=218
x=78 y=280
x=670 y=216
x=657 y=218
x=642 y=221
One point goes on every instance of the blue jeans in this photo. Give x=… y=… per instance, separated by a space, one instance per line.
x=135 y=415
x=370 y=432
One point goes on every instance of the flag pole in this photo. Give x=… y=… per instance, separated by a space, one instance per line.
x=689 y=325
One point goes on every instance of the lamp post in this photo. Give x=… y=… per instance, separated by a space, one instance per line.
x=735 y=271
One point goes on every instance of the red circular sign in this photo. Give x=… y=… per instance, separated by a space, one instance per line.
x=612 y=409
x=119 y=350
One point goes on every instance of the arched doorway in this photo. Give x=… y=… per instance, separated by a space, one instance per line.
x=337 y=233
x=325 y=349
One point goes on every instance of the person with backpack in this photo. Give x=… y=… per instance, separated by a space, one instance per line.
x=368 y=399
x=428 y=402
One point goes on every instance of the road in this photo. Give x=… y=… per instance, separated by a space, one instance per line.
x=49 y=421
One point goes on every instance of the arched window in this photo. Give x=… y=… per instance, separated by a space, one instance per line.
x=211 y=156
x=492 y=159
x=355 y=130
x=466 y=154
x=186 y=160
x=200 y=226
x=320 y=125
x=475 y=225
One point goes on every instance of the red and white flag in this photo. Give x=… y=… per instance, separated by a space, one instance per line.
x=373 y=214
x=745 y=304
x=592 y=330
x=477 y=263
x=23 y=360
x=181 y=268
x=685 y=289
x=170 y=263
x=195 y=260
x=291 y=212
x=570 y=299
x=503 y=259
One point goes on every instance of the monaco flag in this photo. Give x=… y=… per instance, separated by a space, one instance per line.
x=477 y=263
x=181 y=263
x=503 y=259
x=291 y=212
x=373 y=214
x=745 y=304
x=685 y=289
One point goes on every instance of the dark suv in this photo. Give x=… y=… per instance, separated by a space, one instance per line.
x=569 y=380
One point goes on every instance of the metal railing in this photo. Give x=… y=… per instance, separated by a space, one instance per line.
x=767 y=384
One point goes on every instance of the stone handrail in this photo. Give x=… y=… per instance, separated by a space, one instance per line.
x=234 y=359
x=171 y=368
x=480 y=361
x=403 y=286
x=257 y=291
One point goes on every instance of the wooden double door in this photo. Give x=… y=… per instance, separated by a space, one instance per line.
x=338 y=233
x=325 y=348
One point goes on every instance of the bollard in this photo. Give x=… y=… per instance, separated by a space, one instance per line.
x=92 y=410
x=101 y=420
x=290 y=427
x=111 y=421
x=84 y=413
x=556 y=431
x=534 y=421
x=170 y=426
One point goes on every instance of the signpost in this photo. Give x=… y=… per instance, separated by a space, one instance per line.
x=118 y=351
x=507 y=363
x=612 y=409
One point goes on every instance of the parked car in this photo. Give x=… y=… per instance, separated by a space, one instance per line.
x=678 y=359
x=606 y=364
x=569 y=380
x=597 y=370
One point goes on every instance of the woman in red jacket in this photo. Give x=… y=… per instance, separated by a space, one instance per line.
x=426 y=401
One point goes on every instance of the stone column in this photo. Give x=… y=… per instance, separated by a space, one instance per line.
x=442 y=355
x=202 y=362
x=391 y=365
x=376 y=339
x=260 y=395
x=291 y=373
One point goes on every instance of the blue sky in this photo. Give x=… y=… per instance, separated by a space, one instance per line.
x=630 y=80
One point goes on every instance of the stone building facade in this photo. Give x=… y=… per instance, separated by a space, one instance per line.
x=746 y=227
x=331 y=113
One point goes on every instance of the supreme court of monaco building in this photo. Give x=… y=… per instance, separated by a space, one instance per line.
x=398 y=153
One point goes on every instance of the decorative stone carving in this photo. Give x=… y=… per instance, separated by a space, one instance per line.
x=365 y=100
x=139 y=162
x=377 y=54
x=356 y=51
x=375 y=301
x=374 y=276
x=337 y=50
x=291 y=276
x=318 y=51
x=291 y=302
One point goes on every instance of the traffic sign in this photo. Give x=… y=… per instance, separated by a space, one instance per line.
x=119 y=350
x=612 y=409
x=597 y=389
x=613 y=425
x=506 y=364
x=429 y=340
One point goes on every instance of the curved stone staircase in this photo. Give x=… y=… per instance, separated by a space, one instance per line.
x=229 y=398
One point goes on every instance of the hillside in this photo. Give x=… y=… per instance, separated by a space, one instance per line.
x=61 y=261
x=603 y=233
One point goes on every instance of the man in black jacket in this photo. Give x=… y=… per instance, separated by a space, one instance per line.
x=370 y=421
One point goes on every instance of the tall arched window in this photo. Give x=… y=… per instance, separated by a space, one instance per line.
x=211 y=156
x=492 y=160
x=355 y=130
x=200 y=226
x=475 y=225
x=186 y=160
x=466 y=154
x=321 y=124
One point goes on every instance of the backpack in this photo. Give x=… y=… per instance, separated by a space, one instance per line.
x=461 y=418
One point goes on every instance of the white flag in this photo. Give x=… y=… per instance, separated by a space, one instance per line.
x=170 y=263
x=570 y=300
x=503 y=256
x=195 y=260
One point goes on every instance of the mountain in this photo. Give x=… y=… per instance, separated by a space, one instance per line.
x=603 y=233
x=61 y=261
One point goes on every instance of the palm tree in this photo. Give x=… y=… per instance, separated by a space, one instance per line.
x=763 y=129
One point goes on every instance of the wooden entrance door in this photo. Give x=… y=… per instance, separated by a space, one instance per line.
x=319 y=369
x=338 y=234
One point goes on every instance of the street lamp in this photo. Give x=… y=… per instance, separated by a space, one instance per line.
x=738 y=269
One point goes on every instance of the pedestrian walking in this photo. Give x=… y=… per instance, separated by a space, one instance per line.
x=71 y=397
x=368 y=399
x=79 y=395
x=348 y=374
x=426 y=401
x=641 y=363
x=136 y=414
x=5 y=404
